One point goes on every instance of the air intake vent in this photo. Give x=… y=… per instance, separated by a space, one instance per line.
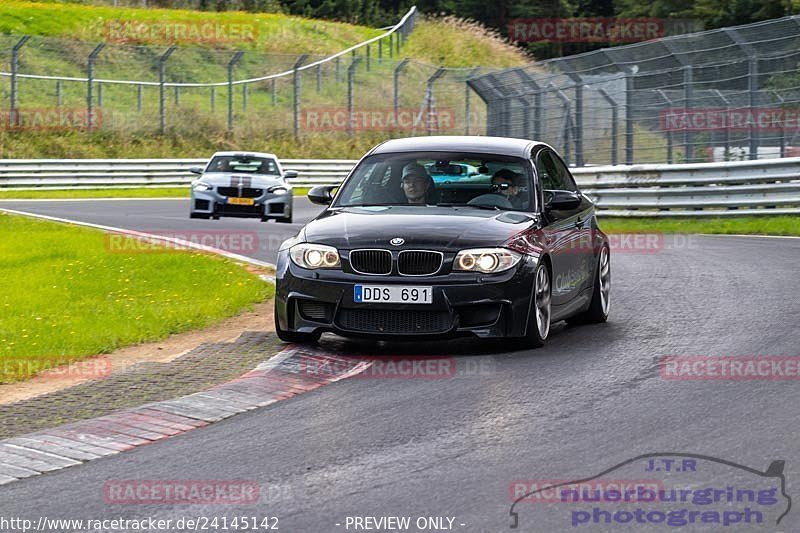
x=371 y=261
x=390 y=321
x=316 y=311
x=419 y=262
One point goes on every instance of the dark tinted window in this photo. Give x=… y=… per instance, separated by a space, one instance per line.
x=553 y=174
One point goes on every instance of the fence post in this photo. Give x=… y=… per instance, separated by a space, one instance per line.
x=537 y=102
x=429 y=97
x=338 y=65
x=467 y=97
x=58 y=94
x=614 y=123
x=752 y=89
x=244 y=96
x=14 y=67
x=139 y=98
x=669 y=130
x=578 y=116
x=368 y=54
x=213 y=98
x=319 y=77
x=177 y=95
x=396 y=96
x=231 y=65
x=351 y=73
x=274 y=92
x=162 y=70
x=380 y=50
x=688 y=138
x=568 y=125
x=90 y=119
x=99 y=95
x=629 y=117
x=391 y=45
x=726 y=140
x=296 y=95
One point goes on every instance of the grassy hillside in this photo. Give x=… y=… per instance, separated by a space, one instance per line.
x=196 y=118
x=272 y=32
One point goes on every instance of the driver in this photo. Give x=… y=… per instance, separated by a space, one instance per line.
x=507 y=182
x=416 y=183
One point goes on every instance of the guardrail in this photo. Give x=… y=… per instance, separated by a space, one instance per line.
x=706 y=189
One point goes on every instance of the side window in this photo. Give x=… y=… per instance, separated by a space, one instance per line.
x=553 y=174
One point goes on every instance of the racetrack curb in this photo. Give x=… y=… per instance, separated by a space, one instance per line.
x=279 y=378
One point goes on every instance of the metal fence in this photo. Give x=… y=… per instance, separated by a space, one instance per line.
x=767 y=187
x=368 y=87
x=724 y=94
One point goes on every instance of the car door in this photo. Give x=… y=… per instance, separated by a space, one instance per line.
x=567 y=233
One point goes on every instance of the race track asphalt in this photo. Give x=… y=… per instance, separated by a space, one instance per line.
x=454 y=446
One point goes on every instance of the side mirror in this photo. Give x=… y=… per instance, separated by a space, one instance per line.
x=196 y=170
x=561 y=200
x=321 y=195
x=290 y=174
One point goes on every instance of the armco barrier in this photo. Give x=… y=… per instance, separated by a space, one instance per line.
x=770 y=186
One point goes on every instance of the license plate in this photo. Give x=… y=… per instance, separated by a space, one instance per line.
x=392 y=294
x=241 y=201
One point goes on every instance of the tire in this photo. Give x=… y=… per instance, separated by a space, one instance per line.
x=294 y=336
x=285 y=220
x=597 y=312
x=538 y=327
x=199 y=215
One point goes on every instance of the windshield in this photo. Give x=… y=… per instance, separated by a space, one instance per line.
x=483 y=181
x=253 y=165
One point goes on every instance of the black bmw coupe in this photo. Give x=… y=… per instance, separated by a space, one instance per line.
x=501 y=244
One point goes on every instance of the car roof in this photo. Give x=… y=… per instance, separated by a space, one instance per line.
x=460 y=143
x=246 y=154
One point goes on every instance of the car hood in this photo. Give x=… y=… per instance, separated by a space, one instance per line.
x=440 y=228
x=234 y=179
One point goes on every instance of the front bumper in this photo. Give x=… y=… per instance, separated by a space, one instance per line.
x=267 y=205
x=464 y=304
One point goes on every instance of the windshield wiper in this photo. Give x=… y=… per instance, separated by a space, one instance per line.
x=478 y=206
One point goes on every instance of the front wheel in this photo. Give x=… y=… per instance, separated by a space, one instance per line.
x=538 y=327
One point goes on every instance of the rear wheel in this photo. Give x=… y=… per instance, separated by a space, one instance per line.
x=598 y=308
x=539 y=318
x=294 y=336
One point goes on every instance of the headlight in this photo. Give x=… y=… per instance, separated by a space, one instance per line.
x=486 y=260
x=314 y=256
x=202 y=187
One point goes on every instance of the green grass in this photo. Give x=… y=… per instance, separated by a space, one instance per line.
x=64 y=296
x=746 y=225
x=141 y=192
x=271 y=32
